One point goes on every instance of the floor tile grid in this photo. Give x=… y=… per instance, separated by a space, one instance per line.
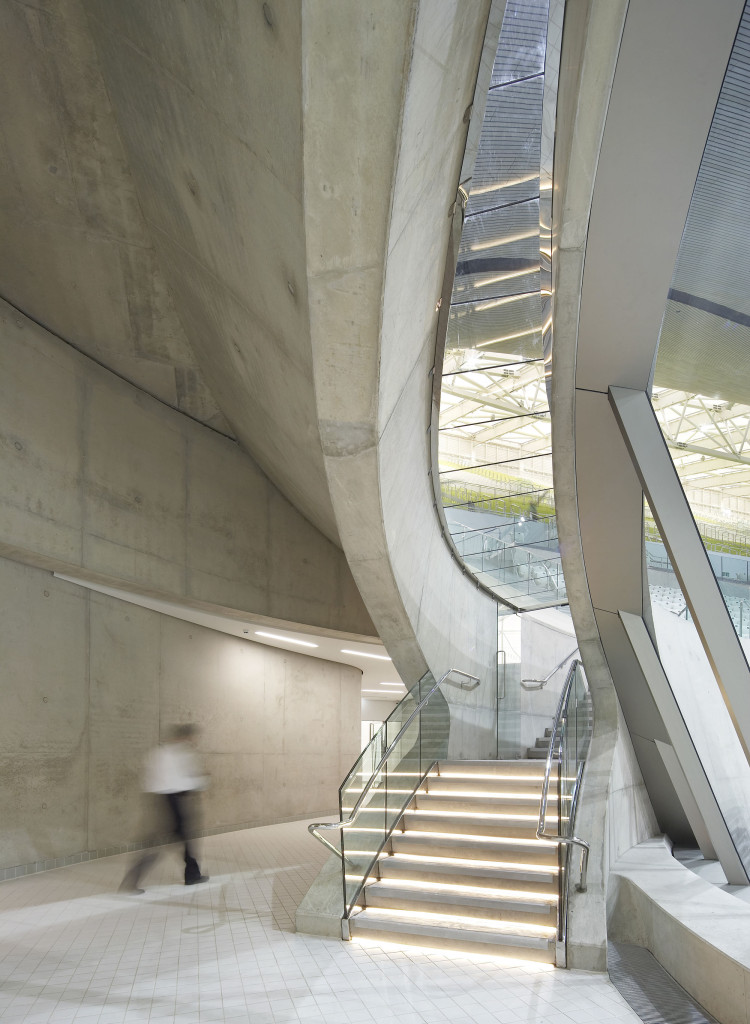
x=71 y=949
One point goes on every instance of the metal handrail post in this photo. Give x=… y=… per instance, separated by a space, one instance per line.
x=559 y=724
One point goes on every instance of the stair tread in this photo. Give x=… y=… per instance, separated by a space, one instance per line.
x=512 y=814
x=476 y=842
x=461 y=895
x=398 y=864
x=531 y=935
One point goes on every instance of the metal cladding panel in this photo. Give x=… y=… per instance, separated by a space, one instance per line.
x=610 y=502
x=669 y=74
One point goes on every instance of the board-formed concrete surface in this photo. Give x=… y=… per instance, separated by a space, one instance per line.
x=91 y=683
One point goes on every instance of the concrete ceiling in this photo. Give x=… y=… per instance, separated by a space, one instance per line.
x=153 y=210
x=76 y=253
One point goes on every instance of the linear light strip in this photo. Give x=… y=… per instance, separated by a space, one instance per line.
x=366 y=654
x=531 y=931
x=483 y=891
x=285 y=639
x=474 y=838
x=490 y=865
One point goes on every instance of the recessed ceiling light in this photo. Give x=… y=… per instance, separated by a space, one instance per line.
x=364 y=654
x=284 y=639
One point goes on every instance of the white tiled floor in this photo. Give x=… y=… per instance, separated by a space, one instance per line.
x=73 y=949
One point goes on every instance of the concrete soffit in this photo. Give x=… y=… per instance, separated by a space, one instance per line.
x=376 y=243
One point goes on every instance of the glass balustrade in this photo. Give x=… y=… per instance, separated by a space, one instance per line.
x=391 y=767
x=569 y=746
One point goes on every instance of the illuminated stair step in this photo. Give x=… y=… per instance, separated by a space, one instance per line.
x=474 y=937
x=469 y=824
x=530 y=788
x=466 y=872
x=391 y=896
x=492 y=848
x=491 y=769
x=489 y=803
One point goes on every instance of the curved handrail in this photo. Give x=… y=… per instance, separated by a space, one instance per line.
x=557 y=730
x=312 y=829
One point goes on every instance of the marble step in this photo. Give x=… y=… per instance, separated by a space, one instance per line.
x=497 y=849
x=469 y=824
x=512 y=805
x=469 y=936
x=505 y=875
x=496 y=785
x=452 y=900
x=521 y=766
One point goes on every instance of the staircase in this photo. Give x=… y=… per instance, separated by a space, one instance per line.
x=541 y=747
x=464 y=870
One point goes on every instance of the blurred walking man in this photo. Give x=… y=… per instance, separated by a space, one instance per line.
x=173 y=771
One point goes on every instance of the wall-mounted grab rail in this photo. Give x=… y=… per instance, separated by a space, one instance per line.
x=541 y=683
x=344 y=822
x=555 y=751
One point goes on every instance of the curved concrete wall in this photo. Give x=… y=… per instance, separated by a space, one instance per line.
x=208 y=102
x=102 y=481
x=299 y=205
x=374 y=402
x=591 y=41
x=91 y=683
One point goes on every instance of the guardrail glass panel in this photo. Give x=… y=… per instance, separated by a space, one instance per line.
x=393 y=764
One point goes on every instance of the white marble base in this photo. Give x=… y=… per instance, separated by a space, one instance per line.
x=699 y=933
x=322 y=907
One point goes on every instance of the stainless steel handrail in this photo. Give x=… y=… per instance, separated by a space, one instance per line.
x=543 y=682
x=541 y=834
x=312 y=829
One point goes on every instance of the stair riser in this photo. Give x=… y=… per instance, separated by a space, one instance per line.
x=493 y=768
x=415 y=821
x=544 y=955
x=519 y=854
x=531 y=788
x=526 y=913
x=492 y=804
x=523 y=881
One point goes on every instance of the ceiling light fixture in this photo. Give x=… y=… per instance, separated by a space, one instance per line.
x=284 y=639
x=364 y=654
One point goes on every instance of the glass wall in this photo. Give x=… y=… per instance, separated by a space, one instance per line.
x=494 y=431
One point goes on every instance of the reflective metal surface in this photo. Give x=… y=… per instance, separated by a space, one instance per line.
x=494 y=434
